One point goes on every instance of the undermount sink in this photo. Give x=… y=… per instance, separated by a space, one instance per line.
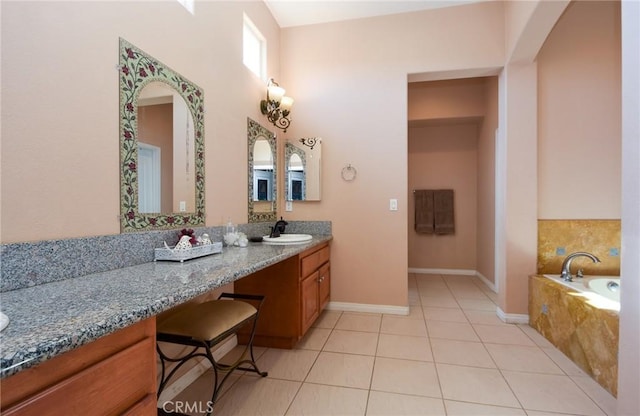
x=4 y=321
x=287 y=239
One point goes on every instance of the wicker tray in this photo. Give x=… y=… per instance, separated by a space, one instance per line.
x=187 y=254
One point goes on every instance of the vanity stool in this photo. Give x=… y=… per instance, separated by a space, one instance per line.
x=204 y=325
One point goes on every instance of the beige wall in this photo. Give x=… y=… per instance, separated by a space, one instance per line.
x=444 y=156
x=579 y=129
x=60 y=106
x=349 y=80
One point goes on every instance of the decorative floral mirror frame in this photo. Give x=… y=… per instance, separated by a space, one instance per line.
x=254 y=132
x=137 y=69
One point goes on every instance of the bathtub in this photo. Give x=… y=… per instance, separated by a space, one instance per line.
x=601 y=291
x=580 y=322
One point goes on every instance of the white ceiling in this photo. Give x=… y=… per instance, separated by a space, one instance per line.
x=306 y=12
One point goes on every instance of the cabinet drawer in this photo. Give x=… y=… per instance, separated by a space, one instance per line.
x=108 y=387
x=310 y=263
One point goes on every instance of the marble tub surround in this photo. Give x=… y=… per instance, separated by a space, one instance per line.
x=34 y=263
x=598 y=237
x=51 y=318
x=586 y=334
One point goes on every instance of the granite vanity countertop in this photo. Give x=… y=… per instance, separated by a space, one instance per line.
x=53 y=318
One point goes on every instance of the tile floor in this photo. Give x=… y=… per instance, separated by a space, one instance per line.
x=450 y=356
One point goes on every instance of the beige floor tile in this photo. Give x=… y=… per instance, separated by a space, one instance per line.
x=476 y=294
x=314 y=339
x=467 y=291
x=352 y=321
x=444 y=314
x=291 y=365
x=403 y=326
x=327 y=319
x=439 y=301
x=415 y=312
x=536 y=413
x=569 y=367
x=392 y=404
x=352 y=342
x=478 y=385
x=426 y=278
x=535 y=336
x=451 y=330
x=406 y=377
x=404 y=347
x=522 y=358
x=605 y=400
x=458 y=278
x=233 y=355
x=550 y=393
x=503 y=334
x=199 y=392
x=477 y=304
x=257 y=396
x=316 y=399
x=491 y=295
x=466 y=353
x=345 y=370
x=414 y=299
x=473 y=409
x=483 y=317
x=434 y=290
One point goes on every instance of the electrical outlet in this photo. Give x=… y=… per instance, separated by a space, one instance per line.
x=183 y=206
x=393 y=204
x=560 y=251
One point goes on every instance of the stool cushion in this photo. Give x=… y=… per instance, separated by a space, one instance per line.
x=205 y=321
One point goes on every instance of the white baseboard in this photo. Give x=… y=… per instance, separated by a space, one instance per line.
x=363 y=307
x=463 y=272
x=512 y=318
x=487 y=282
x=202 y=365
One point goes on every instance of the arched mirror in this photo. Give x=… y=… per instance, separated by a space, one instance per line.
x=262 y=173
x=161 y=145
x=302 y=169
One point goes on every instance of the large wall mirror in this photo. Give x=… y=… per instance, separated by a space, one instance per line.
x=303 y=169
x=161 y=145
x=261 y=145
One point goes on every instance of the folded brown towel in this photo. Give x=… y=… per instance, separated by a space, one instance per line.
x=423 y=200
x=443 y=211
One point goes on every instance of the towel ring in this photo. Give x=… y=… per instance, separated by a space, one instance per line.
x=349 y=173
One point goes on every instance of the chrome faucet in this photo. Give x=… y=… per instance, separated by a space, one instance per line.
x=278 y=229
x=566 y=264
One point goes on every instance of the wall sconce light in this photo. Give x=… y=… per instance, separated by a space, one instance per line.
x=277 y=107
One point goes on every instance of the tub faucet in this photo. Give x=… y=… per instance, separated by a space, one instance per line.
x=566 y=264
x=277 y=229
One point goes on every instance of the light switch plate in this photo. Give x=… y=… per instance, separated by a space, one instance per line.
x=393 y=204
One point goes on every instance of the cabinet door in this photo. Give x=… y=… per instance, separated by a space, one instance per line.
x=324 y=285
x=309 y=301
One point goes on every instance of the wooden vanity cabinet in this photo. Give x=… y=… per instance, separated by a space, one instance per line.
x=296 y=291
x=114 y=375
